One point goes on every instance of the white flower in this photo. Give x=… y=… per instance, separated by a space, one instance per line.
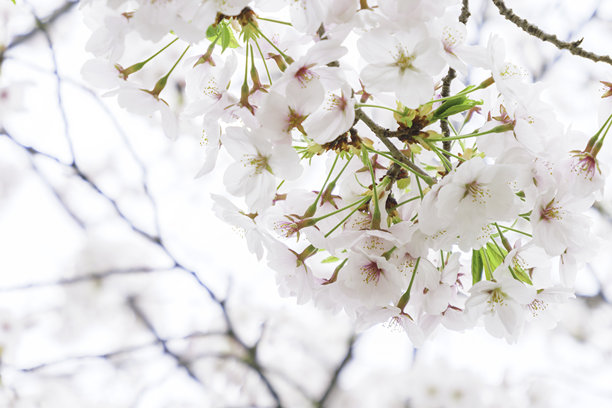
x=544 y=309
x=248 y=224
x=108 y=39
x=401 y=62
x=282 y=114
x=207 y=87
x=257 y=163
x=307 y=15
x=143 y=102
x=293 y=275
x=501 y=304
x=467 y=200
x=558 y=221
x=370 y=280
x=334 y=118
x=403 y=12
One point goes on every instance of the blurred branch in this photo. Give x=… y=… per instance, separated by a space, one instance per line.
x=180 y=362
x=546 y=65
x=82 y=278
x=252 y=361
x=336 y=374
x=114 y=353
x=42 y=27
x=531 y=29
x=42 y=24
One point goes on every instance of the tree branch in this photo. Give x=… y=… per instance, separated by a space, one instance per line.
x=41 y=25
x=336 y=374
x=180 y=362
x=531 y=29
x=384 y=134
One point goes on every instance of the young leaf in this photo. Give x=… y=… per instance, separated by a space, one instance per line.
x=330 y=259
x=476 y=267
x=453 y=106
x=520 y=274
x=495 y=256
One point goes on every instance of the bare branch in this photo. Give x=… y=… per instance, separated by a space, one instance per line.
x=43 y=23
x=180 y=362
x=83 y=278
x=533 y=30
x=336 y=374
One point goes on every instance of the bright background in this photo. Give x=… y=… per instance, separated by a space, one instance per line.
x=94 y=312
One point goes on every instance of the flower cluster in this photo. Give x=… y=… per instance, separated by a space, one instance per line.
x=365 y=186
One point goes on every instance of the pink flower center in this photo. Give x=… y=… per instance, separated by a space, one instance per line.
x=304 y=75
x=371 y=272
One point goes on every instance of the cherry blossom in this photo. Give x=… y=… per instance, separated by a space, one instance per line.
x=367 y=186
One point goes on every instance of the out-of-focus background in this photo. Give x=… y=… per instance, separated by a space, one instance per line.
x=120 y=288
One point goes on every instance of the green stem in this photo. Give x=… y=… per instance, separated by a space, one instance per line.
x=264 y=61
x=515 y=230
x=315 y=220
x=161 y=84
x=275 y=21
x=364 y=105
x=406 y=296
x=466 y=91
x=496 y=129
x=312 y=209
x=376 y=215
x=160 y=51
x=405 y=202
x=445 y=162
x=606 y=131
x=343 y=220
x=504 y=240
x=287 y=58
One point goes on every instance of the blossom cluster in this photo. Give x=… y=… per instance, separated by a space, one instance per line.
x=365 y=185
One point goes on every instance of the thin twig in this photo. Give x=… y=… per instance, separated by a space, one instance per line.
x=180 y=362
x=531 y=29
x=45 y=22
x=336 y=374
x=82 y=278
x=42 y=27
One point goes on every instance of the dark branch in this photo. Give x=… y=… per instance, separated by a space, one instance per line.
x=572 y=47
x=336 y=374
x=82 y=278
x=384 y=135
x=43 y=23
x=180 y=362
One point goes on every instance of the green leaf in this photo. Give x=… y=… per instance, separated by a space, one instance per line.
x=211 y=33
x=403 y=184
x=453 y=106
x=404 y=115
x=476 y=267
x=520 y=274
x=225 y=34
x=488 y=269
x=330 y=259
x=496 y=255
